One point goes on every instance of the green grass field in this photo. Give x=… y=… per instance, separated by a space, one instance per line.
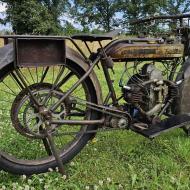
x=117 y=160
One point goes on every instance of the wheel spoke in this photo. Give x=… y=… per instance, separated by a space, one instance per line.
x=12 y=92
x=44 y=74
x=53 y=75
x=23 y=134
x=61 y=71
x=8 y=92
x=36 y=74
x=65 y=79
x=24 y=77
x=17 y=82
x=31 y=75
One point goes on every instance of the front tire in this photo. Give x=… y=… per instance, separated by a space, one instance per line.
x=185 y=102
x=181 y=104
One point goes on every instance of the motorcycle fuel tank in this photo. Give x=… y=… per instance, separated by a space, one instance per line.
x=123 y=50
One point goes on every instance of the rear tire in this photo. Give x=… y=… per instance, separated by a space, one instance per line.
x=25 y=161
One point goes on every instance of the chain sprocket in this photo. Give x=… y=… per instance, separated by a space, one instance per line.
x=26 y=119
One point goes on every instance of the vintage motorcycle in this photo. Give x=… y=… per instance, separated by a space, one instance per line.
x=51 y=98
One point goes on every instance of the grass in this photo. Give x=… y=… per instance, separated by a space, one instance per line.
x=117 y=160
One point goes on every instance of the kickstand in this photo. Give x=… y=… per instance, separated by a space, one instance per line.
x=55 y=153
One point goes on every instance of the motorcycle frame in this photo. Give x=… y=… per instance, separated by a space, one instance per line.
x=101 y=55
x=111 y=95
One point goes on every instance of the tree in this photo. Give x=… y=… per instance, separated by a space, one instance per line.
x=174 y=7
x=69 y=29
x=56 y=8
x=132 y=10
x=135 y=9
x=31 y=17
x=102 y=13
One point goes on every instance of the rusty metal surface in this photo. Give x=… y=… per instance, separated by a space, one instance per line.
x=72 y=56
x=34 y=37
x=39 y=52
x=124 y=51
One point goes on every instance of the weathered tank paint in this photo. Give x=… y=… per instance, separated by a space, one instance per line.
x=124 y=51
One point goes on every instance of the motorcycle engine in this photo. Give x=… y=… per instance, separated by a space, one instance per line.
x=145 y=91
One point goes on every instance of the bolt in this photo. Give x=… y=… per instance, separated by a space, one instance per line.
x=122 y=123
x=47 y=123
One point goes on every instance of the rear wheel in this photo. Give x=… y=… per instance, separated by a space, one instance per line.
x=24 y=145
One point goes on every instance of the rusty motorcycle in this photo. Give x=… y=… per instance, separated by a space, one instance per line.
x=51 y=98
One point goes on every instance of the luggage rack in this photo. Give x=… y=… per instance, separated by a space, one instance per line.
x=37 y=50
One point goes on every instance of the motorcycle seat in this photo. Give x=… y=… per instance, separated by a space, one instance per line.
x=96 y=37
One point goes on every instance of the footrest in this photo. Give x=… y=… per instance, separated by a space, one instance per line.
x=164 y=126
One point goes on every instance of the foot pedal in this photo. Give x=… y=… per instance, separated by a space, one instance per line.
x=165 y=125
x=141 y=126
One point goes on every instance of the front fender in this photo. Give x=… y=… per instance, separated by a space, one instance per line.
x=182 y=103
x=185 y=89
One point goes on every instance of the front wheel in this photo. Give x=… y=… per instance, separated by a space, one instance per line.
x=181 y=104
x=186 y=129
x=24 y=146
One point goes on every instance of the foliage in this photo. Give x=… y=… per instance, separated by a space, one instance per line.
x=102 y=13
x=30 y=17
x=174 y=7
x=46 y=16
x=56 y=8
x=177 y=6
x=135 y=9
x=69 y=29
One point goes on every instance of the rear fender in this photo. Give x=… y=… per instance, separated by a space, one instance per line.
x=6 y=59
x=72 y=56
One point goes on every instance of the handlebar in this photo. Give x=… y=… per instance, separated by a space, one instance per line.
x=180 y=17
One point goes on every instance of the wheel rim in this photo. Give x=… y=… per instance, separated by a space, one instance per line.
x=22 y=147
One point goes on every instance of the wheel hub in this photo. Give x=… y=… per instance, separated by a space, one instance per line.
x=45 y=113
x=34 y=123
